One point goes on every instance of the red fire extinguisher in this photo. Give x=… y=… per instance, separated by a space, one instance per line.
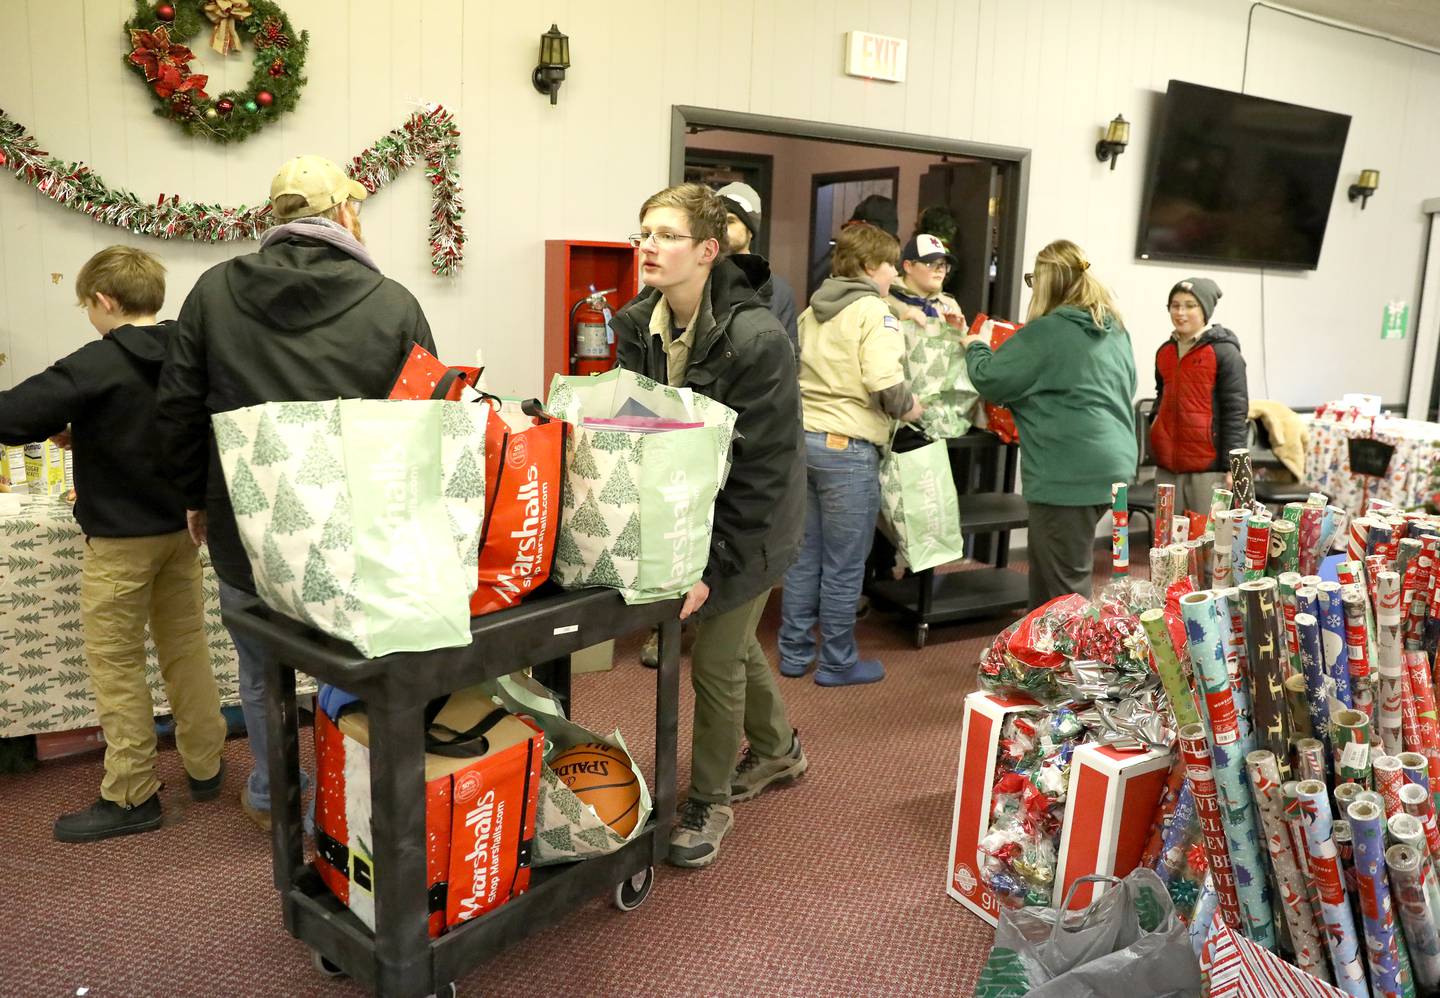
x=592 y=342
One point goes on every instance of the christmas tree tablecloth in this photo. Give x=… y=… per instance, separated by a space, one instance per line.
x=44 y=683
x=1411 y=478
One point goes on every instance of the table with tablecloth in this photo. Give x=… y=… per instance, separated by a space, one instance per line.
x=1408 y=479
x=44 y=682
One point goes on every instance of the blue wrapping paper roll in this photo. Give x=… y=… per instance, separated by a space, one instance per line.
x=1367 y=824
x=1342 y=942
x=1332 y=640
x=1237 y=666
x=1317 y=680
x=1176 y=835
x=1228 y=749
x=1241 y=519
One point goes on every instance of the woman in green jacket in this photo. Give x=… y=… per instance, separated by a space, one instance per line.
x=1069 y=377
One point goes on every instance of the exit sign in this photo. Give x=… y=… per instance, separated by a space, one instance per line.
x=875 y=57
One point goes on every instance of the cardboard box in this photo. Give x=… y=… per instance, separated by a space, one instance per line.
x=45 y=468
x=479 y=813
x=1108 y=814
x=979 y=739
x=596 y=658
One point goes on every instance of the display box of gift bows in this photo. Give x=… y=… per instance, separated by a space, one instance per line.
x=1109 y=806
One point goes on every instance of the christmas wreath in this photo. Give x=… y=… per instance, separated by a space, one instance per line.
x=158 y=53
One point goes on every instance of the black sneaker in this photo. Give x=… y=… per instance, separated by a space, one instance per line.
x=105 y=819
x=207 y=789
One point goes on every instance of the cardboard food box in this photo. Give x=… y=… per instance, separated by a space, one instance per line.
x=45 y=469
x=1108 y=815
x=479 y=813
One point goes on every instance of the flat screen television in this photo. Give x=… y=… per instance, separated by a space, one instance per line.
x=1240 y=180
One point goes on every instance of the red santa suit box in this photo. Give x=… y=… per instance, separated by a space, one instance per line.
x=479 y=811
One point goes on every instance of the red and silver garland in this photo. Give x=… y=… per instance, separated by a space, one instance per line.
x=429 y=136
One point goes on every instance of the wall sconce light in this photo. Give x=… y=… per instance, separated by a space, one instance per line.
x=554 y=60
x=1365 y=186
x=1117 y=137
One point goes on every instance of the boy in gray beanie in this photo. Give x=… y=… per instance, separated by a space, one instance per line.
x=1202 y=401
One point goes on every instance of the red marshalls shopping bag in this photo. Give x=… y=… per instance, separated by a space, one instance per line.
x=524 y=451
x=998 y=419
x=422 y=376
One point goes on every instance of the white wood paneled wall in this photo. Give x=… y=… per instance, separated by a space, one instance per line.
x=1044 y=74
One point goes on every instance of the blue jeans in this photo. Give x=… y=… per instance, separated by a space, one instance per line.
x=253 y=657
x=842 y=494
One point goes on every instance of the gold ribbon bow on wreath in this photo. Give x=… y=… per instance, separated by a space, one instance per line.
x=224 y=14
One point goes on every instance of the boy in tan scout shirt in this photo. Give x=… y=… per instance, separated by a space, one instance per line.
x=852 y=388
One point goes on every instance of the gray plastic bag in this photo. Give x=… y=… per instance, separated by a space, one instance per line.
x=1129 y=942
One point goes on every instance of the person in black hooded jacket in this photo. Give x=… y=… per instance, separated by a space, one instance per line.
x=307 y=318
x=140 y=568
x=703 y=322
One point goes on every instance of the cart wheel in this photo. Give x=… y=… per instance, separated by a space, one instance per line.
x=448 y=991
x=325 y=966
x=922 y=631
x=631 y=894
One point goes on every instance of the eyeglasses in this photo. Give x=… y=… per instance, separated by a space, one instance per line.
x=938 y=267
x=1029 y=280
x=662 y=239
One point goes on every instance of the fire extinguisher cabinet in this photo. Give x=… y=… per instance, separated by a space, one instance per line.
x=572 y=267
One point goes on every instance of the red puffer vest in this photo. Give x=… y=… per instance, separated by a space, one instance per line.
x=1182 y=436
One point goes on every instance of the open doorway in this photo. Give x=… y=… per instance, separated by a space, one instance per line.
x=818 y=172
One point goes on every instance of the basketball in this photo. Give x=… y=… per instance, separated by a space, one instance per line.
x=601 y=776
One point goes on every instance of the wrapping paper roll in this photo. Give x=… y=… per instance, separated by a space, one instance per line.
x=1176 y=835
x=1310 y=762
x=1317 y=683
x=1172 y=673
x=1243 y=478
x=1389 y=665
x=1284 y=547
x=1409 y=710
x=1299 y=709
x=1164 y=521
x=1180 y=530
x=1257 y=547
x=1389 y=779
x=1267 y=669
x=1368 y=827
x=1164 y=812
x=1417 y=804
x=1228 y=750
x=1332 y=635
x=1198 y=552
x=1179 y=561
x=1332 y=526
x=1120 y=528
x=1241 y=520
x=1230 y=617
x=1224 y=529
x=1356 y=535
x=1380 y=539
x=1349 y=572
x=1200 y=777
x=1294 y=896
x=1407 y=551
x=1415 y=767
x=1289 y=582
x=1422 y=695
x=1419 y=611
x=1160 y=568
x=1222 y=570
x=1413 y=883
x=1357 y=652
x=1342 y=944
x=1347 y=793
x=1220 y=500
x=1311 y=520
x=1350 y=740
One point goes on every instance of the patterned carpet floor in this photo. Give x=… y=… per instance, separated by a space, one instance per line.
x=831 y=886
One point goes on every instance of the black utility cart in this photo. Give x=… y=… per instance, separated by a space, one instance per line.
x=984 y=469
x=399 y=958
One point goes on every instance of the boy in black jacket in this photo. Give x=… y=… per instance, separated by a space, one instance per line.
x=140 y=567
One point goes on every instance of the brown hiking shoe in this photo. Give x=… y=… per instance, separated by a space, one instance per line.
x=755 y=772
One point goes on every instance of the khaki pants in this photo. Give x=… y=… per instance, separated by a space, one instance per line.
x=127 y=582
x=735 y=694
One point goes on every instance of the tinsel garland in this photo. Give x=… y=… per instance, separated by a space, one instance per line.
x=429 y=135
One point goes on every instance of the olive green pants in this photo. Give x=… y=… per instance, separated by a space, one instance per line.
x=735 y=695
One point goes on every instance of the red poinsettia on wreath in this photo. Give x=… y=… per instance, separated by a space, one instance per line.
x=166 y=65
